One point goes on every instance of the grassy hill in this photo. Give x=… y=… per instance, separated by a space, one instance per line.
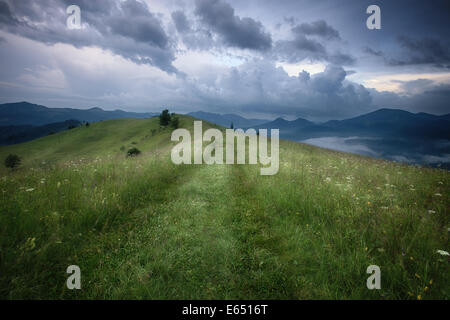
x=144 y=228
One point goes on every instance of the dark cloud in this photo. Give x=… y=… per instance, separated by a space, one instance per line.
x=126 y=28
x=194 y=37
x=145 y=27
x=427 y=50
x=377 y=53
x=244 y=33
x=318 y=28
x=433 y=100
x=181 y=22
x=302 y=47
x=423 y=51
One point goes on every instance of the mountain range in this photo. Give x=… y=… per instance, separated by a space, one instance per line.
x=24 y=113
x=392 y=134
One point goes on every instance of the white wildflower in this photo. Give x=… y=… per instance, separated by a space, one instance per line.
x=443 y=253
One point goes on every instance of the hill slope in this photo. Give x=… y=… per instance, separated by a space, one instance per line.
x=144 y=228
x=17 y=134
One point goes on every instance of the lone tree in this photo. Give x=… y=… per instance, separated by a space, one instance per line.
x=12 y=161
x=164 y=118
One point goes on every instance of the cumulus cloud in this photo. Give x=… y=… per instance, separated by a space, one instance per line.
x=260 y=86
x=243 y=33
x=126 y=28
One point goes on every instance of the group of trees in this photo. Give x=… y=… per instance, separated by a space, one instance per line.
x=165 y=119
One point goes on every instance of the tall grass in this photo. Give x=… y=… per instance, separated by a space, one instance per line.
x=143 y=228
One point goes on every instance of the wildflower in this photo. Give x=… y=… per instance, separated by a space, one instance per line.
x=431 y=282
x=431 y=211
x=440 y=182
x=368 y=202
x=29 y=189
x=438 y=195
x=384 y=208
x=443 y=253
x=419 y=297
x=58 y=184
x=417 y=276
x=425 y=289
x=410 y=294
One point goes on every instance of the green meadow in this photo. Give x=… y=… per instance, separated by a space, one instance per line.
x=144 y=228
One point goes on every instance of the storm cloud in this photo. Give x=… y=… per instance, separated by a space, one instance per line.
x=254 y=57
x=301 y=47
x=126 y=28
x=318 y=28
x=244 y=33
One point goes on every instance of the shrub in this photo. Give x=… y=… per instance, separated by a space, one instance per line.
x=12 y=161
x=164 y=118
x=87 y=124
x=133 y=152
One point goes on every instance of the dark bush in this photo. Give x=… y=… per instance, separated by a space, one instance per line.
x=133 y=152
x=12 y=161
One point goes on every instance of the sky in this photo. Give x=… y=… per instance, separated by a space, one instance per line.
x=314 y=59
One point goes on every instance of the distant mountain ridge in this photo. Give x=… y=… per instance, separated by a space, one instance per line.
x=25 y=113
x=227 y=119
x=386 y=133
